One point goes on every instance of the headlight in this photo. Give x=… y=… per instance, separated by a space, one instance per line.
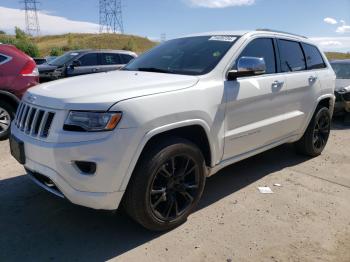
x=92 y=121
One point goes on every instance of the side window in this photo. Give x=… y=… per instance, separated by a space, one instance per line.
x=126 y=58
x=2 y=58
x=89 y=59
x=110 y=59
x=314 y=59
x=292 y=57
x=262 y=47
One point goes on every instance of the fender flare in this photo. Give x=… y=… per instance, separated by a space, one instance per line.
x=326 y=96
x=317 y=102
x=156 y=131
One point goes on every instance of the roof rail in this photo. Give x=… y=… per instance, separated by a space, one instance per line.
x=277 y=31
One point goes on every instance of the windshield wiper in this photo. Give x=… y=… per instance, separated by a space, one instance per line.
x=153 y=69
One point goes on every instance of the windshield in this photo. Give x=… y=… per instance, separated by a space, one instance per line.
x=63 y=59
x=188 y=56
x=342 y=70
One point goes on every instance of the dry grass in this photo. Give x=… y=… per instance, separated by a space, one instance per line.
x=95 y=41
x=337 y=55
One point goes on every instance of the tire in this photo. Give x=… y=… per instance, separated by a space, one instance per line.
x=316 y=135
x=7 y=114
x=166 y=185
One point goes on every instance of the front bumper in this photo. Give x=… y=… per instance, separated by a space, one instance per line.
x=55 y=161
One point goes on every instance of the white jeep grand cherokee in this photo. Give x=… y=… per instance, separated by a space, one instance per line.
x=148 y=136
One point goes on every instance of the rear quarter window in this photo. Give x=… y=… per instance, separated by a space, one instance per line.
x=313 y=56
x=291 y=55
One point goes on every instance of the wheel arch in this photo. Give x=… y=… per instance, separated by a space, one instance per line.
x=9 y=98
x=185 y=129
x=327 y=100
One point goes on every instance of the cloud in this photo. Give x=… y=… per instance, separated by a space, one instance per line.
x=219 y=3
x=344 y=28
x=330 y=20
x=337 y=44
x=49 y=24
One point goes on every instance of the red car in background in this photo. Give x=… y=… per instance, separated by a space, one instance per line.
x=18 y=72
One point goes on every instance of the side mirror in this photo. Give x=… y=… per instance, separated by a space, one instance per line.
x=248 y=66
x=75 y=63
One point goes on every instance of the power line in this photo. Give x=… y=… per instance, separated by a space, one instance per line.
x=31 y=17
x=111 y=16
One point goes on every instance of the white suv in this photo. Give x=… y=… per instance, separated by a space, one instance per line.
x=148 y=136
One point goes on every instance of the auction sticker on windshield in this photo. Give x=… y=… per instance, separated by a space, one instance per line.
x=223 y=38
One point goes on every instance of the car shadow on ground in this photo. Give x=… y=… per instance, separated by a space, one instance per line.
x=35 y=225
x=339 y=123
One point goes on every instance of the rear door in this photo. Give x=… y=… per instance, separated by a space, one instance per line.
x=302 y=82
x=89 y=63
x=110 y=61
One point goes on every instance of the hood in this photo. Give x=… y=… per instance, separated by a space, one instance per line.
x=101 y=91
x=341 y=83
x=46 y=68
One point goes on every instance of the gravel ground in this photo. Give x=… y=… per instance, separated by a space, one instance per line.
x=306 y=219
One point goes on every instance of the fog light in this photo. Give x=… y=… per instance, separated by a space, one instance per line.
x=86 y=167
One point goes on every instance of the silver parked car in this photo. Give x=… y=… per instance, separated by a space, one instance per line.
x=342 y=89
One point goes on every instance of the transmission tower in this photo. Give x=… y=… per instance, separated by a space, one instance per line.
x=111 y=18
x=31 y=17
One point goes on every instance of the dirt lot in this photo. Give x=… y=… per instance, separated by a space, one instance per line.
x=307 y=219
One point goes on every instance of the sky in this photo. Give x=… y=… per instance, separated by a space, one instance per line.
x=327 y=22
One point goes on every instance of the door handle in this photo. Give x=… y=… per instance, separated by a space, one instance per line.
x=312 y=79
x=277 y=84
x=95 y=69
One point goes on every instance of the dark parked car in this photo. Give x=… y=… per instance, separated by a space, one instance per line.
x=342 y=89
x=83 y=62
x=18 y=72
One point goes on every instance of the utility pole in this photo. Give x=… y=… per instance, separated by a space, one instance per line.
x=111 y=16
x=31 y=17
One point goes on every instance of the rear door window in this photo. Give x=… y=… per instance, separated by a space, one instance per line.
x=110 y=59
x=89 y=59
x=313 y=56
x=262 y=48
x=291 y=55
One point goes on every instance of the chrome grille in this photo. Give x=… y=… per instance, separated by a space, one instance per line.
x=33 y=120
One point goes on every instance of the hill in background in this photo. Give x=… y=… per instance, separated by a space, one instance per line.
x=57 y=44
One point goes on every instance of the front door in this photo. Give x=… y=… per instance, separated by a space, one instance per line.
x=259 y=111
